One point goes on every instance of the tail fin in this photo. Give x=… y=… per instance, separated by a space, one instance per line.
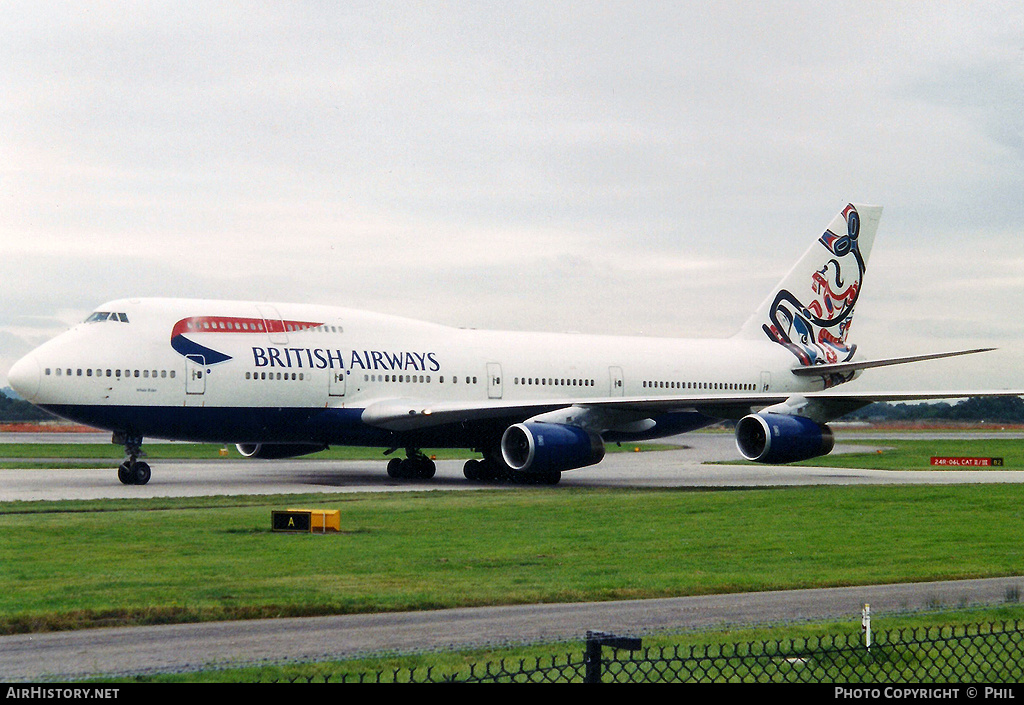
x=811 y=309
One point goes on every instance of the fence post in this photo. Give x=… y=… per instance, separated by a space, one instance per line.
x=593 y=658
x=865 y=625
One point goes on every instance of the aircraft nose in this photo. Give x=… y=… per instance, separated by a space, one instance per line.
x=24 y=377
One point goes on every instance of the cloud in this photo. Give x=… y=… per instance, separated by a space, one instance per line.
x=621 y=167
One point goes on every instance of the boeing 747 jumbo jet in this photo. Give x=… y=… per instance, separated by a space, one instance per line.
x=282 y=380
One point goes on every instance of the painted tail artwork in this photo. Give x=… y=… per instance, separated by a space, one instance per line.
x=811 y=309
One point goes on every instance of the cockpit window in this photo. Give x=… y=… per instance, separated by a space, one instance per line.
x=107 y=316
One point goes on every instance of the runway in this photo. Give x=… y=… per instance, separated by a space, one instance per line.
x=692 y=465
x=75 y=655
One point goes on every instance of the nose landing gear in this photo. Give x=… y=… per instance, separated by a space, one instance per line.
x=132 y=471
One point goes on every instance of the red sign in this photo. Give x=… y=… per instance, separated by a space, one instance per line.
x=968 y=462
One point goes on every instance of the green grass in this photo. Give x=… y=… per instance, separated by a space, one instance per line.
x=47 y=456
x=180 y=451
x=66 y=565
x=913 y=454
x=75 y=564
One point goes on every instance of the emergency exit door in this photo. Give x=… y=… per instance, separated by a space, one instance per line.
x=337 y=384
x=195 y=374
x=494 y=383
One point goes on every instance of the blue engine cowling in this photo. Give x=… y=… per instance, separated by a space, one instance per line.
x=276 y=451
x=778 y=438
x=549 y=447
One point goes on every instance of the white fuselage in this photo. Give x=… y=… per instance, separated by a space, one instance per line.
x=237 y=372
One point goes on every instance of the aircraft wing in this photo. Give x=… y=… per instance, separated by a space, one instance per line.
x=409 y=414
x=843 y=367
x=414 y=414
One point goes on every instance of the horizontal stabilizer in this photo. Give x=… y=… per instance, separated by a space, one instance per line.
x=843 y=367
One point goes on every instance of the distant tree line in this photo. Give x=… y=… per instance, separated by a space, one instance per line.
x=12 y=410
x=973 y=410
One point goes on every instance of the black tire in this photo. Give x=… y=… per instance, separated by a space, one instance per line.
x=395 y=468
x=427 y=469
x=472 y=470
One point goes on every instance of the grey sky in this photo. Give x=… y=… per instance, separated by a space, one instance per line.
x=640 y=168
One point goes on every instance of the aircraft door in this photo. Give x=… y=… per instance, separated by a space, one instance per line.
x=616 y=386
x=195 y=374
x=766 y=381
x=494 y=386
x=336 y=388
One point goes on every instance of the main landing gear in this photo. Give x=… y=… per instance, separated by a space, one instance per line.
x=415 y=466
x=493 y=469
x=132 y=471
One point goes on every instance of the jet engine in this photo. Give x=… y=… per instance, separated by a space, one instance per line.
x=276 y=451
x=779 y=438
x=547 y=447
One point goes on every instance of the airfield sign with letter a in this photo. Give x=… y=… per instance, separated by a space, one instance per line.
x=292 y=521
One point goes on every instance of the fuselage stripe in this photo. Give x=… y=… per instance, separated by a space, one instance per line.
x=226 y=324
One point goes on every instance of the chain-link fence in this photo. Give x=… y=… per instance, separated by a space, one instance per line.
x=978 y=653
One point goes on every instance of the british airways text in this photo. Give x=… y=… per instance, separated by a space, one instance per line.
x=322 y=358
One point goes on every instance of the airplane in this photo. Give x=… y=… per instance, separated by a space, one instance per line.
x=282 y=380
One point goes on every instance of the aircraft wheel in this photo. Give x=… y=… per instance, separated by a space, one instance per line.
x=416 y=468
x=395 y=468
x=142 y=473
x=472 y=470
x=124 y=474
x=425 y=469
